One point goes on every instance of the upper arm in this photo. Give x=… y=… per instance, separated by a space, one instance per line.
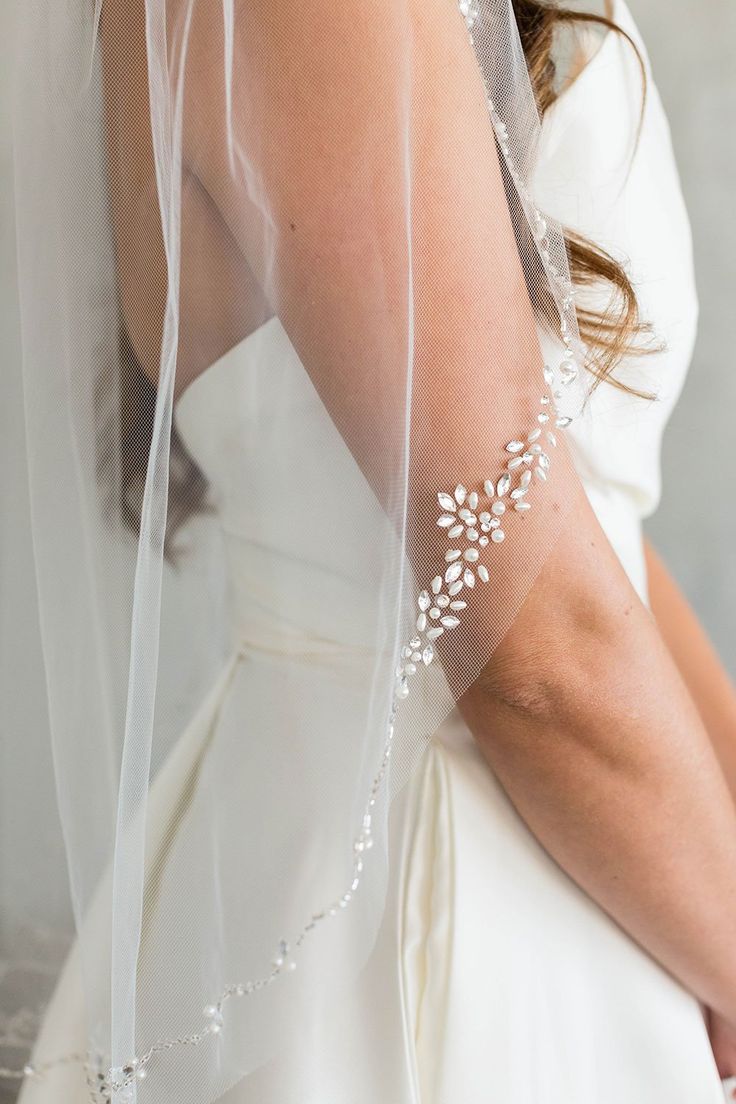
x=352 y=161
x=360 y=177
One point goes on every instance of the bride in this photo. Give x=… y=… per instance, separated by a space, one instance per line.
x=359 y=327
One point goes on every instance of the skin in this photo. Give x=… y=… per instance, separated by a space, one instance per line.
x=698 y=663
x=581 y=710
x=715 y=697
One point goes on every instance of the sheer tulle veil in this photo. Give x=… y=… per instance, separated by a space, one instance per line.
x=187 y=173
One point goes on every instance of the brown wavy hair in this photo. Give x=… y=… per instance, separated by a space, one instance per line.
x=618 y=330
x=608 y=334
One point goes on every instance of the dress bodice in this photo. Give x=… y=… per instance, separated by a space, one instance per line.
x=290 y=579
x=605 y=169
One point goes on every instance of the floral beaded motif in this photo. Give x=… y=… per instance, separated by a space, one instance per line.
x=474 y=520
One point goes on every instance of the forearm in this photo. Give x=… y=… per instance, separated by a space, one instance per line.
x=700 y=668
x=593 y=735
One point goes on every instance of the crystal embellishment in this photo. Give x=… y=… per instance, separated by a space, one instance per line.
x=477 y=514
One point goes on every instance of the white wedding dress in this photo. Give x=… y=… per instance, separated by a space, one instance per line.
x=499 y=979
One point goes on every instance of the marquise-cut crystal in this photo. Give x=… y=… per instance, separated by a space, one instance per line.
x=469 y=578
x=535 y=433
x=514 y=446
x=437 y=584
x=427 y=655
x=446 y=501
x=503 y=484
x=424 y=601
x=488 y=487
x=568 y=372
x=473 y=500
x=434 y=632
x=446 y=520
x=455 y=588
x=526 y=478
x=515 y=463
x=454 y=532
x=453 y=572
x=563 y=422
x=460 y=493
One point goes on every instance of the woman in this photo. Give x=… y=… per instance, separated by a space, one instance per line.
x=335 y=249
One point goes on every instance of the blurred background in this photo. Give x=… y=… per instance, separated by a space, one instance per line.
x=32 y=864
x=691 y=44
x=691 y=47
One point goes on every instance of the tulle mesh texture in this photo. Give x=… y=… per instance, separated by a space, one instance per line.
x=282 y=282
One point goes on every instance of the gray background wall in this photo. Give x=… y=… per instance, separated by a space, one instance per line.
x=692 y=46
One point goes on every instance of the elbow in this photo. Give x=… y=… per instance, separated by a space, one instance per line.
x=565 y=666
